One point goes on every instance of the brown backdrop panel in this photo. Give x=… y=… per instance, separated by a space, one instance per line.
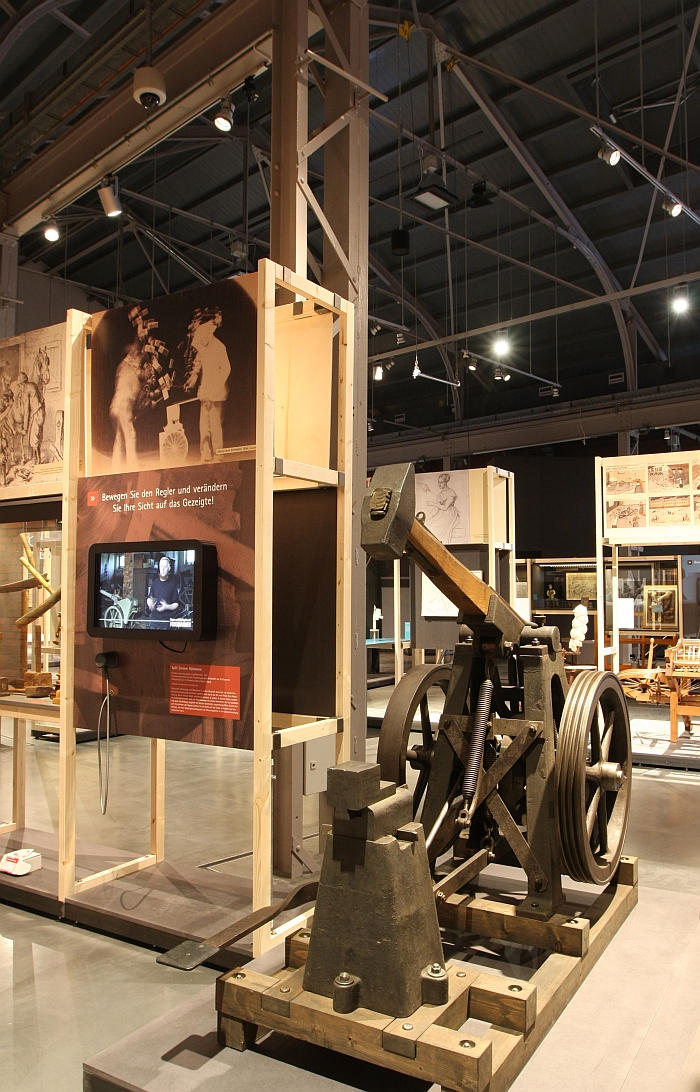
x=141 y=681
x=304 y=587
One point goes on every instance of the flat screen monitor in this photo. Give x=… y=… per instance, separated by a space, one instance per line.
x=152 y=590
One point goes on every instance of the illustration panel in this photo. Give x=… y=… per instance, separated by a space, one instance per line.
x=434 y=603
x=660 y=607
x=444 y=499
x=581 y=585
x=669 y=511
x=173 y=380
x=625 y=514
x=695 y=470
x=31 y=409
x=667 y=476
x=622 y=480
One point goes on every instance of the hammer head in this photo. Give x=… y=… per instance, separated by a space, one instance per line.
x=388 y=511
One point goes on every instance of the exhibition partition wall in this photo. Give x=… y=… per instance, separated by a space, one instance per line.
x=199 y=428
x=644 y=500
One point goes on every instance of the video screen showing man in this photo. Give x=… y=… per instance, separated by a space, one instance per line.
x=163 y=599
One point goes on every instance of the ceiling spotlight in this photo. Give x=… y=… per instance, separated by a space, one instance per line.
x=555 y=392
x=416 y=368
x=469 y=360
x=223 y=119
x=400 y=242
x=51 y=231
x=672 y=206
x=378 y=372
x=374 y=328
x=250 y=90
x=109 y=196
x=389 y=366
x=400 y=339
x=667 y=434
x=679 y=301
x=370 y=424
x=498 y=374
x=149 y=87
x=506 y=377
x=501 y=346
x=609 y=154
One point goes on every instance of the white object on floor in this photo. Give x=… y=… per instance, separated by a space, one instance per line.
x=21 y=862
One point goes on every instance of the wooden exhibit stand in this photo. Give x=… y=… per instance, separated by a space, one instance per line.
x=303 y=441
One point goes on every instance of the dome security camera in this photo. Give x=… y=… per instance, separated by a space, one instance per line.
x=149 y=87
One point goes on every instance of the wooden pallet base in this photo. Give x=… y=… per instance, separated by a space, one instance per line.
x=428 y=1044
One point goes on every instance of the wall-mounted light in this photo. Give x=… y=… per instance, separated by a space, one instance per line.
x=378 y=372
x=108 y=193
x=679 y=300
x=223 y=119
x=51 y=232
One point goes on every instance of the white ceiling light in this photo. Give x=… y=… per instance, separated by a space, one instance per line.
x=223 y=119
x=378 y=372
x=672 y=206
x=51 y=232
x=609 y=154
x=109 y=196
x=501 y=347
x=498 y=374
x=680 y=301
x=506 y=377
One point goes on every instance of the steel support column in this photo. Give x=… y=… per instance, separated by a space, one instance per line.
x=346 y=206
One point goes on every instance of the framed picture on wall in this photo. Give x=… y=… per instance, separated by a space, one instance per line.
x=660 y=607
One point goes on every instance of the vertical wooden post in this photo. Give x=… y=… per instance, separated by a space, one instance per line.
x=344 y=531
x=158 y=798
x=511 y=539
x=19 y=772
x=599 y=568
x=76 y=328
x=492 y=576
x=615 y=641
x=262 y=669
x=398 y=644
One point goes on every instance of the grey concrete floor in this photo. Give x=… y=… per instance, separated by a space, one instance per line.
x=66 y=993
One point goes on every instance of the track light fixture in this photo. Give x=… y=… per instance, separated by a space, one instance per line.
x=223 y=119
x=506 y=377
x=378 y=372
x=400 y=339
x=672 y=206
x=498 y=373
x=108 y=193
x=501 y=347
x=679 y=300
x=416 y=368
x=374 y=329
x=370 y=424
x=609 y=154
x=51 y=232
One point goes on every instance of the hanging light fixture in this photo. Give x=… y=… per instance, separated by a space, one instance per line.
x=378 y=372
x=506 y=377
x=51 y=232
x=430 y=192
x=672 y=206
x=679 y=301
x=108 y=193
x=498 y=374
x=501 y=347
x=223 y=119
x=374 y=328
x=609 y=154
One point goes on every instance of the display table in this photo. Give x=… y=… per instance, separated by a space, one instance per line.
x=375 y=646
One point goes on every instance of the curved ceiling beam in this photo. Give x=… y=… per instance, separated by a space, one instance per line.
x=21 y=22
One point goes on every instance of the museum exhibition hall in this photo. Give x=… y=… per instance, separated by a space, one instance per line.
x=349 y=546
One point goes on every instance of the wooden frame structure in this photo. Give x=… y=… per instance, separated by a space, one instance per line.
x=428 y=1044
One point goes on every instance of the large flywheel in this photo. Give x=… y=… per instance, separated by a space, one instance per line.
x=410 y=695
x=593 y=775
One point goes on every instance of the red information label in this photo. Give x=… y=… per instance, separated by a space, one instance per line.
x=205 y=690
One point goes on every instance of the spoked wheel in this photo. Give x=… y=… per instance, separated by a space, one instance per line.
x=593 y=776
x=410 y=695
x=113 y=618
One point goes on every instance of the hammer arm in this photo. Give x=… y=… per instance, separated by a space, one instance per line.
x=459 y=584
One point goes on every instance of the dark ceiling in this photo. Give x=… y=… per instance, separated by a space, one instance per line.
x=619 y=61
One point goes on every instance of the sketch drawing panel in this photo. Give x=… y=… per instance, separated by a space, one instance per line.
x=444 y=499
x=434 y=603
x=668 y=476
x=621 y=480
x=696 y=475
x=625 y=514
x=669 y=511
